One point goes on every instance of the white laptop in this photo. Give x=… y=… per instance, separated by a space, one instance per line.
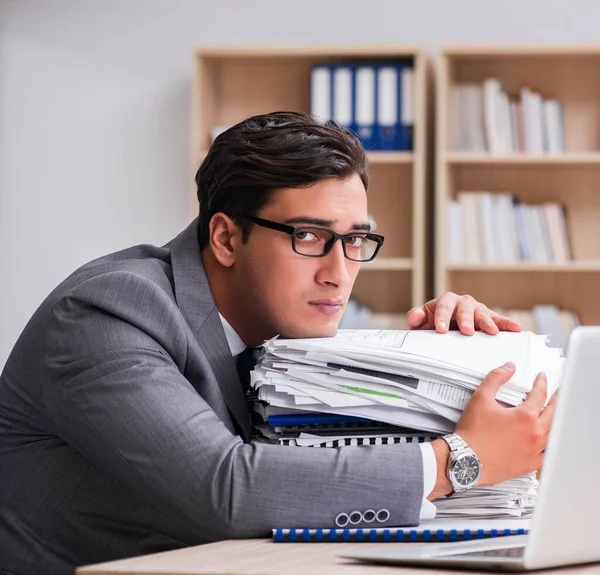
x=566 y=519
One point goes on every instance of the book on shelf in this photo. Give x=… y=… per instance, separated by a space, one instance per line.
x=374 y=99
x=485 y=118
x=491 y=228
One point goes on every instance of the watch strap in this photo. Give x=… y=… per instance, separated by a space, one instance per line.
x=455 y=442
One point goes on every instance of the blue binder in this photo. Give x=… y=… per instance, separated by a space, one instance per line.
x=343 y=95
x=405 y=106
x=365 y=105
x=315 y=418
x=321 y=100
x=388 y=108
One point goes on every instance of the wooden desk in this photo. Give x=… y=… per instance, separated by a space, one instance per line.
x=250 y=557
x=263 y=557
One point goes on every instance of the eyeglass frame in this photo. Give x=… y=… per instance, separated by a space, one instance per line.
x=292 y=230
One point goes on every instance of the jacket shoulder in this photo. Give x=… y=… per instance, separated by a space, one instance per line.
x=111 y=299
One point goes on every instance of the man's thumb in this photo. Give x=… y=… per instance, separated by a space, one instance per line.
x=497 y=378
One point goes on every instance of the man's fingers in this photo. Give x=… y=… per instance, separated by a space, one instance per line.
x=538 y=394
x=466 y=308
x=547 y=413
x=496 y=379
x=417 y=318
x=505 y=323
x=484 y=320
x=444 y=311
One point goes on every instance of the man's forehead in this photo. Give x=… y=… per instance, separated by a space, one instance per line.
x=327 y=203
x=326 y=223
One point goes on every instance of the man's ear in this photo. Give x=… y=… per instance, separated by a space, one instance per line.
x=224 y=238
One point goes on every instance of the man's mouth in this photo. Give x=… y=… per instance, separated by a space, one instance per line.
x=328 y=306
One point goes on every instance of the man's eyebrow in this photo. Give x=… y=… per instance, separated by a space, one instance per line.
x=324 y=223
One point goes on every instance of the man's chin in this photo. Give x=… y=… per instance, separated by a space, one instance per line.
x=306 y=332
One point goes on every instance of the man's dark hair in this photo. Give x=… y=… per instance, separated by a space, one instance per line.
x=250 y=161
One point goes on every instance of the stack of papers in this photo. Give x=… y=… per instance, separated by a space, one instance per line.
x=370 y=387
x=420 y=380
x=513 y=498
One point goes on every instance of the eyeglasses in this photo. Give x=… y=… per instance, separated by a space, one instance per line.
x=316 y=242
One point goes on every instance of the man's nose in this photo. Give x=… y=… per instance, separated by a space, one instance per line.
x=334 y=267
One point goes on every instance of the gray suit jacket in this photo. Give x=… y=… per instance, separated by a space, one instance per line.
x=124 y=429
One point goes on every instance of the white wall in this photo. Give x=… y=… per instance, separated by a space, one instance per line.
x=95 y=99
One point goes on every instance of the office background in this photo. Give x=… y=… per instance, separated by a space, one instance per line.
x=95 y=100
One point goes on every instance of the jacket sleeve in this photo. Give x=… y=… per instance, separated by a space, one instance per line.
x=116 y=393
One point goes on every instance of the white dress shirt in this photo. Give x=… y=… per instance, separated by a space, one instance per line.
x=428 y=509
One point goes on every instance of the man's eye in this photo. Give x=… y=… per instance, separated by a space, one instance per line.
x=356 y=241
x=306 y=236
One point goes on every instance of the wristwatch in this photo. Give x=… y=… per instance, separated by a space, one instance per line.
x=464 y=467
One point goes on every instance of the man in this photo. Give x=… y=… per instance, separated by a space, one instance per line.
x=123 y=424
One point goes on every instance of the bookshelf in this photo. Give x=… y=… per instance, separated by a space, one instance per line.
x=232 y=83
x=570 y=75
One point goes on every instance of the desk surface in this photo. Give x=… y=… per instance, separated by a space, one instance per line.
x=263 y=557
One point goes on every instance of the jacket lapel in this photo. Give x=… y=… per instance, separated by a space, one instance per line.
x=197 y=304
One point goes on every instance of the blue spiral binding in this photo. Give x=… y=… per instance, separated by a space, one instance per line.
x=386 y=535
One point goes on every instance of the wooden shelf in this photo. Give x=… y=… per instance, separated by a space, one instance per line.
x=392 y=264
x=518 y=51
x=390 y=157
x=574 y=158
x=570 y=74
x=324 y=51
x=232 y=83
x=576 y=266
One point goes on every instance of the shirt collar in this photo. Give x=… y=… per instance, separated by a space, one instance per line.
x=236 y=345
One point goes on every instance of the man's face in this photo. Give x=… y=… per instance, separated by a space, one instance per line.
x=294 y=295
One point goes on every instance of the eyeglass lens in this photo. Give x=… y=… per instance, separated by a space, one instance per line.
x=317 y=241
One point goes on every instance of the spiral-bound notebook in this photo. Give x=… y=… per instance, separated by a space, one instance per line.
x=309 y=440
x=435 y=530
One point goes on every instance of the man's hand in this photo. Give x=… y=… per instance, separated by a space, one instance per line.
x=451 y=311
x=509 y=441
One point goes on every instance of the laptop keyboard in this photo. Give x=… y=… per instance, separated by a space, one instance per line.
x=506 y=552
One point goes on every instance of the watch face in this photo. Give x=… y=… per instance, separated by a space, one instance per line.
x=466 y=470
